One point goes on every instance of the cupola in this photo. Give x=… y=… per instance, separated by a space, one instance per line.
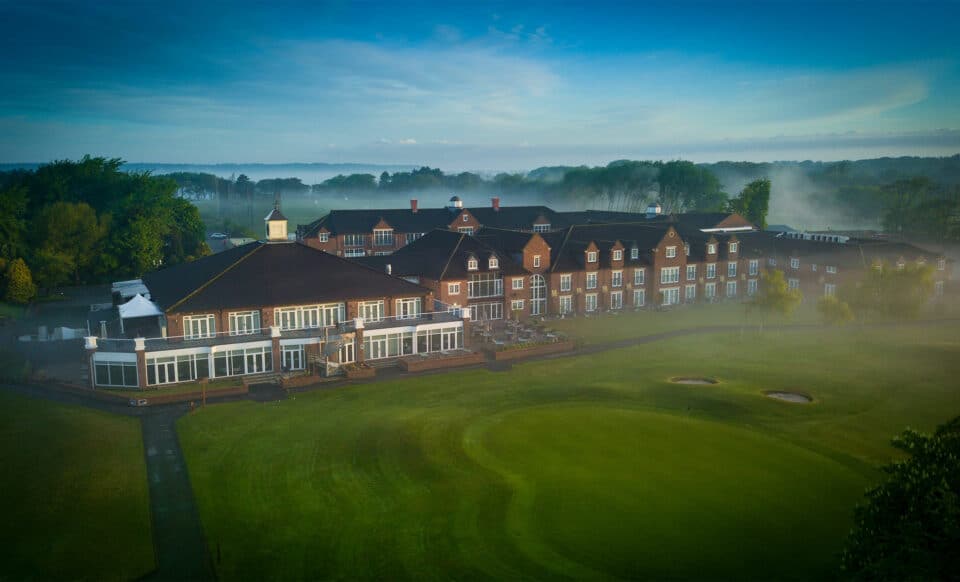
x=276 y=225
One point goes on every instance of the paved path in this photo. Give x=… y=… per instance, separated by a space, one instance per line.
x=179 y=544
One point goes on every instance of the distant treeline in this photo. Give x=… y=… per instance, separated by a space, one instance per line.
x=86 y=221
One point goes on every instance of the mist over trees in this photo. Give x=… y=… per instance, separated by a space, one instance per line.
x=87 y=221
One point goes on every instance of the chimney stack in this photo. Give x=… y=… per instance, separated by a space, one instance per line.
x=496 y=204
x=389 y=269
x=413 y=205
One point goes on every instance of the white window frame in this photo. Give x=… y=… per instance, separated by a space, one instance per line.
x=206 y=326
x=640 y=294
x=616 y=278
x=639 y=276
x=591 y=281
x=711 y=270
x=732 y=269
x=941 y=264
x=731 y=288
x=408 y=308
x=829 y=289
x=711 y=249
x=565 y=304
x=669 y=275
x=794 y=263
x=541 y=228
x=468 y=230
x=591 y=256
x=670 y=296
x=590 y=302
x=493 y=263
x=793 y=283
x=690 y=293
x=710 y=290
x=536 y=261
x=294 y=352
x=516 y=305
x=752 y=286
x=771 y=262
x=691 y=272
x=244 y=322
x=754 y=267
x=634 y=253
x=733 y=247
x=616 y=300
x=617 y=255
x=516 y=283
x=453 y=288
x=831 y=269
x=383 y=237
x=473 y=264
x=371 y=310
x=324 y=237
x=671 y=252
x=566 y=282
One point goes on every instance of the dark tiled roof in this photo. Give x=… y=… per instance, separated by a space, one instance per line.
x=443 y=254
x=265 y=274
x=275 y=214
x=644 y=235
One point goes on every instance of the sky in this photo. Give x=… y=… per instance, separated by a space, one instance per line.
x=480 y=86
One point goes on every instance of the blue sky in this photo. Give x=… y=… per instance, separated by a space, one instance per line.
x=480 y=86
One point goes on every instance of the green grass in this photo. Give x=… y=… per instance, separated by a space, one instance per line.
x=75 y=501
x=589 y=467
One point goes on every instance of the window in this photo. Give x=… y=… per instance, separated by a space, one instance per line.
x=408 y=308
x=671 y=252
x=733 y=247
x=472 y=264
x=412 y=236
x=690 y=292
x=493 y=263
x=671 y=296
x=711 y=249
x=617 y=255
x=831 y=269
x=465 y=230
x=616 y=300
x=813 y=267
x=371 y=310
x=669 y=275
x=731 y=288
x=591 y=302
x=244 y=322
x=516 y=283
x=354 y=253
x=686 y=249
x=381 y=253
x=754 y=267
x=794 y=263
x=591 y=281
x=541 y=228
x=115 y=373
x=634 y=253
x=310 y=316
x=639 y=276
x=616 y=279
x=732 y=269
x=710 y=290
x=566 y=280
x=240 y=361
x=752 y=287
x=592 y=257
x=382 y=237
x=199 y=326
x=484 y=285
x=536 y=261
x=829 y=289
x=538 y=294
x=453 y=288
x=516 y=305
x=353 y=240
x=691 y=272
x=485 y=311
x=466 y=217
x=324 y=237
x=566 y=304
x=941 y=264
x=793 y=283
x=292 y=357
x=639 y=297
x=711 y=270
x=771 y=262
x=438 y=340
x=938 y=289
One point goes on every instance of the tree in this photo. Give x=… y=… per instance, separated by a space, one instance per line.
x=902 y=198
x=909 y=527
x=891 y=291
x=68 y=233
x=753 y=203
x=20 y=287
x=13 y=208
x=685 y=186
x=775 y=296
x=834 y=311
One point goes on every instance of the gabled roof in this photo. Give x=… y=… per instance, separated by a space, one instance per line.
x=646 y=236
x=268 y=274
x=275 y=214
x=443 y=254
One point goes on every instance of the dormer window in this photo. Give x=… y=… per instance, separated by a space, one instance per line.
x=472 y=264
x=733 y=247
x=617 y=255
x=711 y=249
x=592 y=256
x=493 y=263
x=634 y=253
x=324 y=237
x=541 y=228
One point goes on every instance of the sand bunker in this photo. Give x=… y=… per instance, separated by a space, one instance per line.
x=693 y=380
x=795 y=397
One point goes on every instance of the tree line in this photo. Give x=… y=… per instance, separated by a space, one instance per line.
x=87 y=221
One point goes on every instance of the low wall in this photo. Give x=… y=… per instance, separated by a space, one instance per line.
x=418 y=364
x=359 y=373
x=298 y=381
x=535 y=350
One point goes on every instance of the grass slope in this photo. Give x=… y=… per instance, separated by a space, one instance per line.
x=590 y=467
x=75 y=498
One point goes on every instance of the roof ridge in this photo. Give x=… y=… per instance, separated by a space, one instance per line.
x=452 y=253
x=210 y=281
x=563 y=245
x=365 y=266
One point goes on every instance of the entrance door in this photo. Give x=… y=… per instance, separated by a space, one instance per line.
x=378 y=348
x=166 y=372
x=255 y=363
x=449 y=339
x=346 y=353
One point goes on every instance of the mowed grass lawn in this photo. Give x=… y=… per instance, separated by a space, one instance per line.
x=590 y=467
x=74 y=501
